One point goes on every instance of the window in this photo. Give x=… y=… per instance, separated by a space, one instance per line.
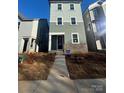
x=95 y=12
x=73 y=21
x=71 y=6
x=98 y=44
x=75 y=38
x=59 y=6
x=59 y=21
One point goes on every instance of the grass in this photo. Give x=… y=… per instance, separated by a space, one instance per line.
x=35 y=66
x=86 y=66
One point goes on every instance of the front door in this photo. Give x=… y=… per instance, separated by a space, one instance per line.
x=57 y=42
x=54 y=42
x=60 y=42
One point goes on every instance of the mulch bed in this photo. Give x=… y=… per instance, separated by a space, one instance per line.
x=86 y=66
x=35 y=66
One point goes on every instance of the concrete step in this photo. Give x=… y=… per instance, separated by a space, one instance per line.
x=59 y=52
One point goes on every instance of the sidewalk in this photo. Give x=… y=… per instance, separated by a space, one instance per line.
x=59 y=82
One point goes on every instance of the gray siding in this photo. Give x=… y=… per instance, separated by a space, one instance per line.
x=69 y=29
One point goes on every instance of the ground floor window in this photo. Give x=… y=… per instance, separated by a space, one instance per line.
x=75 y=38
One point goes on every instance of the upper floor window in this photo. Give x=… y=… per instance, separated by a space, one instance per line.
x=59 y=21
x=73 y=21
x=59 y=6
x=96 y=12
x=71 y=6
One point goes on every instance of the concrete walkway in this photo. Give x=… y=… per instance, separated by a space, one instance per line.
x=59 y=82
x=58 y=79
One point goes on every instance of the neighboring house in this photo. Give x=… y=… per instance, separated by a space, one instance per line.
x=67 y=30
x=31 y=33
x=20 y=19
x=95 y=26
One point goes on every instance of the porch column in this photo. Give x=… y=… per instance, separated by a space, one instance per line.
x=21 y=45
x=33 y=45
x=37 y=48
x=28 y=49
x=49 y=42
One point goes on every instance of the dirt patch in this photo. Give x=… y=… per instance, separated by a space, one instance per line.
x=86 y=66
x=35 y=66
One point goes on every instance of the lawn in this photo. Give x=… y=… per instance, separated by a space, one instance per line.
x=86 y=66
x=35 y=66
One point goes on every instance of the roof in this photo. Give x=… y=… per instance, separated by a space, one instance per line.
x=35 y=19
x=20 y=16
x=96 y=4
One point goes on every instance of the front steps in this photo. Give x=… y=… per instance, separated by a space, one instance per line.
x=58 y=52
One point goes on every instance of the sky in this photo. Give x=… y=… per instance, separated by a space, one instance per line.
x=40 y=8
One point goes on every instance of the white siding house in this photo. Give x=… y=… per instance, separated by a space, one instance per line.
x=27 y=36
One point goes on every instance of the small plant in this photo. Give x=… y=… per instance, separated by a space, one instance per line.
x=22 y=58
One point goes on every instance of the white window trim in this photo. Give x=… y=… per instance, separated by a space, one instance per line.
x=56 y=33
x=77 y=37
x=61 y=7
x=75 y=21
x=57 y=21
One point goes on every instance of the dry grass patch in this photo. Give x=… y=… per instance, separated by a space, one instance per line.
x=86 y=66
x=35 y=66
